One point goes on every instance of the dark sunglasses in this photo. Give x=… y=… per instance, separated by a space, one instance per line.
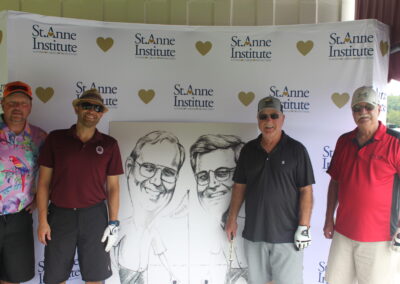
x=264 y=116
x=367 y=107
x=89 y=106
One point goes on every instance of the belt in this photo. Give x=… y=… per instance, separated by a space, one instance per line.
x=52 y=205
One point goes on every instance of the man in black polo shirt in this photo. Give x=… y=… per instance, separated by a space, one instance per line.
x=274 y=175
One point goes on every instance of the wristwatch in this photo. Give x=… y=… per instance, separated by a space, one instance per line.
x=115 y=228
x=115 y=223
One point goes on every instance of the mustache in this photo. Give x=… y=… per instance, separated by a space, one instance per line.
x=364 y=116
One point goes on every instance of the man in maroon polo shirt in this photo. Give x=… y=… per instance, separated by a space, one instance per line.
x=79 y=170
x=364 y=184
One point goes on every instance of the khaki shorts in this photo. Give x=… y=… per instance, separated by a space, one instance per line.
x=367 y=262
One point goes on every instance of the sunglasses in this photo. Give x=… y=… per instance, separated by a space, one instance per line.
x=89 y=106
x=264 y=116
x=15 y=87
x=359 y=108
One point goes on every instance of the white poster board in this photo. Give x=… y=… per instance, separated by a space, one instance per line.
x=203 y=74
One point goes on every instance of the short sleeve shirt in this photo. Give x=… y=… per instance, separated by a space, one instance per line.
x=368 y=193
x=272 y=188
x=18 y=166
x=80 y=169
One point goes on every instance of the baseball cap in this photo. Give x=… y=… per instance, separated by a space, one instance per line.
x=92 y=96
x=270 y=102
x=365 y=94
x=17 y=87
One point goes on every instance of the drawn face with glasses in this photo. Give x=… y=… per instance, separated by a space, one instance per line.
x=214 y=171
x=152 y=177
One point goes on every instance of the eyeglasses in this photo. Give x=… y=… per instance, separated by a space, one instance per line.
x=89 y=106
x=148 y=170
x=264 y=116
x=221 y=174
x=359 y=108
x=17 y=104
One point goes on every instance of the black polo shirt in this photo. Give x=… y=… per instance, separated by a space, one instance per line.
x=272 y=188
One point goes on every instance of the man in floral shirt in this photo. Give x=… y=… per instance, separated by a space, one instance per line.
x=19 y=148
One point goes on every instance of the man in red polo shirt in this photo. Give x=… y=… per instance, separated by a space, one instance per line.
x=364 y=184
x=79 y=170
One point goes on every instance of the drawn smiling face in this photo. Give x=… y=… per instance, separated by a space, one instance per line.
x=154 y=175
x=214 y=172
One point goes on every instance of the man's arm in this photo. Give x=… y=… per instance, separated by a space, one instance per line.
x=305 y=205
x=113 y=197
x=42 y=199
x=331 y=208
x=238 y=194
x=302 y=236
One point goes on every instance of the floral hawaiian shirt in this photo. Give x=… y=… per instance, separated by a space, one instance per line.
x=18 y=166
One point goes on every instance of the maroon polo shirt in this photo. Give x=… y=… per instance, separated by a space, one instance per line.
x=80 y=169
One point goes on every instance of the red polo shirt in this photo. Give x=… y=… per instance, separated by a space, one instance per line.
x=366 y=179
x=80 y=169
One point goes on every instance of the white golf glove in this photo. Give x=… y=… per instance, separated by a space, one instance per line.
x=111 y=235
x=302 y=237
x=396 y=241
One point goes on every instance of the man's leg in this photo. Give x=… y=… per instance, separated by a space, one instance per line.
x=60 y=250
x=373 y=262
x=17 y=260
x=258 y=261
x=94 y=262
x=287 y=264
x=341 y=267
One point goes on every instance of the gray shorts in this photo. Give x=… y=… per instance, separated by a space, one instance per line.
x=81 y=229
x=281 y=262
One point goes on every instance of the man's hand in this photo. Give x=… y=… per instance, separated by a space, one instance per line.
x=302 y=237
x=111 y=235
x=329 y=229
x=396 y=241
x=44 y=233
x=231 y=228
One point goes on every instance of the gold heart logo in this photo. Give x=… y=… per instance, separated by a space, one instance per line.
x=384 y=45
x=203 y=47
x=246 y=98
x=1 y=36
x=44 y=94
x=340 y=99
x=50 y=34
x=146 y=96
x=304 y=47
x=105 y=43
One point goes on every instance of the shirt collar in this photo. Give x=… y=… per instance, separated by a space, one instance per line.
x=96 y=137
x=378 y=135
x=4 y=127
x=281 y=141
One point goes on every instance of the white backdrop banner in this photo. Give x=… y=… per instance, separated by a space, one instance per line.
x=201 y=74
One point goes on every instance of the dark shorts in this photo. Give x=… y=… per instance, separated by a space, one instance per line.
x=17 y=259
x=80 y=229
